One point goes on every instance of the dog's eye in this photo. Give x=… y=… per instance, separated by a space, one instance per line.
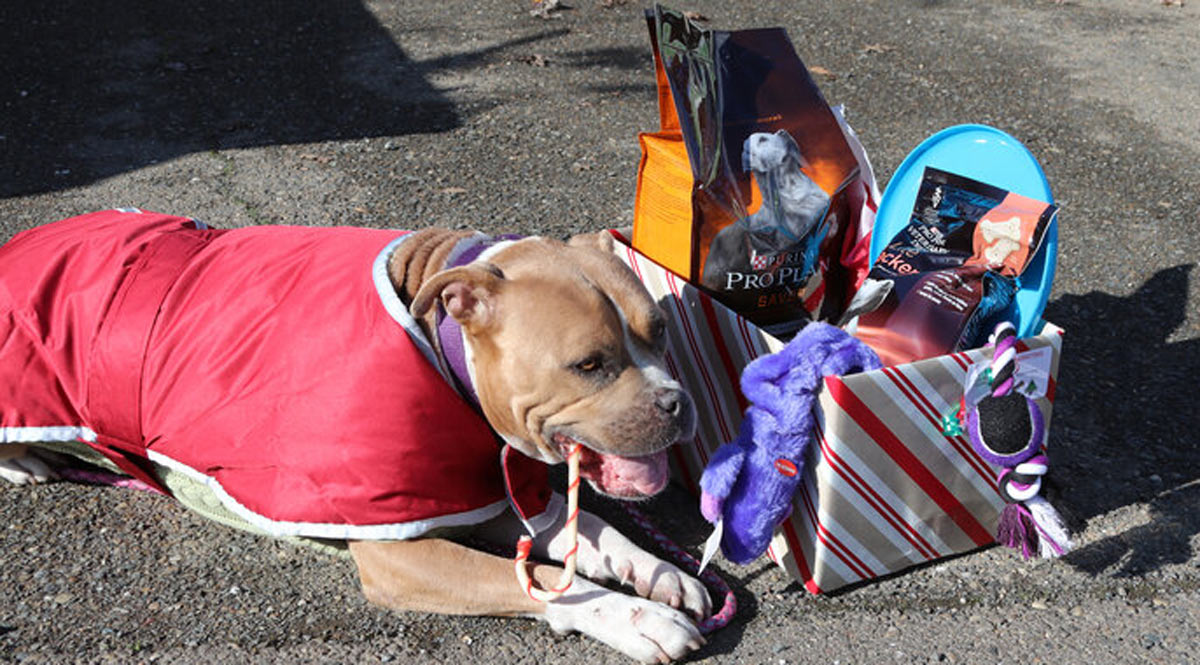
x=589 y=364
x=658 y=332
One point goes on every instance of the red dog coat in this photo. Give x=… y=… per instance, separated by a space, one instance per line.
x=275 y=364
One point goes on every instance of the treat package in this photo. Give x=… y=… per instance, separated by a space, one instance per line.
x=760 y=211
x=951 y=274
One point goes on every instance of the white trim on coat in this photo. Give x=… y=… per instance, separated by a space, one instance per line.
x=396 y=307
x=390 y=531
x=51 y=434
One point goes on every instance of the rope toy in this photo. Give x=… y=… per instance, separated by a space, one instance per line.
x=1006 y=427
x=525 y=543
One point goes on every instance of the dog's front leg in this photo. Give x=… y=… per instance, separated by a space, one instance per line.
x=433 y=575
x=605 y=554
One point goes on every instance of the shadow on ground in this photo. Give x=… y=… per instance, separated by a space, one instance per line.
x=89 y=90
x=1128 y=420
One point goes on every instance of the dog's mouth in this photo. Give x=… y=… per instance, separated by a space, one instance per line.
x=619 y=476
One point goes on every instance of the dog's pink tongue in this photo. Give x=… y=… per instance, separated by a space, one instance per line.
x=633 y=476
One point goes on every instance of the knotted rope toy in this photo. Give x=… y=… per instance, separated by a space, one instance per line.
x=1006 y=427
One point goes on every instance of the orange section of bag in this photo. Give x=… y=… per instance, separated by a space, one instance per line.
x=755 y=198
x=662 y=212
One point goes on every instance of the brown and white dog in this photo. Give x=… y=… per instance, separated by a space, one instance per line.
x=563 y=344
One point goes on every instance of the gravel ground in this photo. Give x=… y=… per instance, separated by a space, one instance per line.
x=477 y=114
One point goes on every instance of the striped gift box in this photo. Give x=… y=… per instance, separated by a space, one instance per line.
x=884 y=489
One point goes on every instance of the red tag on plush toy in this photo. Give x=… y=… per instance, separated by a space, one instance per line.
x=786 y=467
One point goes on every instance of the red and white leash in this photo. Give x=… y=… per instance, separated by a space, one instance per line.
x=689 y=563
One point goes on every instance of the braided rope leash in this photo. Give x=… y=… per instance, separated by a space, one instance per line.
x=723 y=616
x=525 y=543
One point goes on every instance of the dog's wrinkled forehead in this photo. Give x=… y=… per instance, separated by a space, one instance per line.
x=595 y=269
x=628 y=295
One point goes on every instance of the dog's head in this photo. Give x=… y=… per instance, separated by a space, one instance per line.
x=763 y=152
x=565 y=345
x=791 y=199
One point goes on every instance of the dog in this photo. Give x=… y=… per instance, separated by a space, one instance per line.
x=390 y=389
x=779 y=237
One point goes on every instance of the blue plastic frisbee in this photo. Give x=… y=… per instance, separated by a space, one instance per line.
x=991 y=156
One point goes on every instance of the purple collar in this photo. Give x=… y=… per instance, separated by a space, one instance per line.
x=449 y=332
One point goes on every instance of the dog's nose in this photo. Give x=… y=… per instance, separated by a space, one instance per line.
x=668 y=400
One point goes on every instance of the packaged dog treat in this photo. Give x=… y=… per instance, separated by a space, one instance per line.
x=944 y=281
x=744 y=191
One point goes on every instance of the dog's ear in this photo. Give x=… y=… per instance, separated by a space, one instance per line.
x=467 y=292
x=792 y=149
x=601 y=240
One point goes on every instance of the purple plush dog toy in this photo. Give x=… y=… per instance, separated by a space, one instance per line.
x=749 y=482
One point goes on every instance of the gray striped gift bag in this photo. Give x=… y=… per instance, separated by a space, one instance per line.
x=884 y=488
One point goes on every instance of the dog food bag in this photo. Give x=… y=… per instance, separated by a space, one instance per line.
x=944 y=281
x=744 y=189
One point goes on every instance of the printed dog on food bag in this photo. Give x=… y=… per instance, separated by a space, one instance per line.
x=792 y=206
x=429 y=377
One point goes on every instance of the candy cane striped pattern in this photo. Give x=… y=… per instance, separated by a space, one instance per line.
x=525 y=543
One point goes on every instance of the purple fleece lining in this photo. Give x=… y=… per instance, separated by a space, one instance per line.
x=449 y=332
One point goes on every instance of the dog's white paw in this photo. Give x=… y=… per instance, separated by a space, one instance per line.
x=641 y=629
x=605 y=554
x=26 y=470
x=661 y=581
